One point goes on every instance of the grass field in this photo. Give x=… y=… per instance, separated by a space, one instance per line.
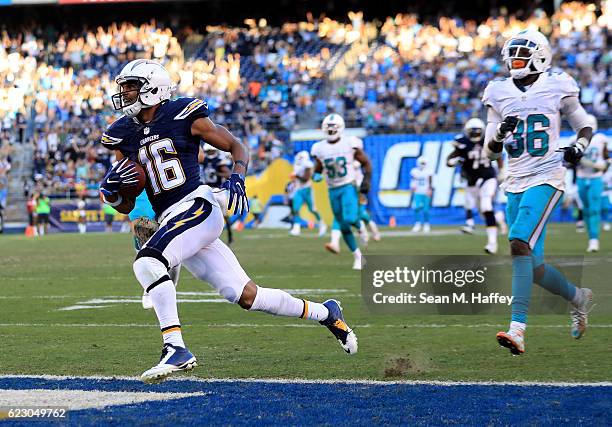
x=112 y=335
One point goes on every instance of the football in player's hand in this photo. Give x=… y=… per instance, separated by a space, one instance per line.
x=132 y=190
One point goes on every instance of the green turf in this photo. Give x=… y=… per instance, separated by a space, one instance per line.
x=36 y=338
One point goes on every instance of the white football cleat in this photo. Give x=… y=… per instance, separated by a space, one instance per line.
x=295 y=230
x=147 y=301
x=322 y=228
x=593 y=245
x=514 y=340
x=467 y=229
x=417 y=227
x=334 y=249
x=580 y=313
x=173 y=359
x=491 y=248
x=426 y=228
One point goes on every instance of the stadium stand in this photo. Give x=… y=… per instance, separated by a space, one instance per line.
x=403 y=74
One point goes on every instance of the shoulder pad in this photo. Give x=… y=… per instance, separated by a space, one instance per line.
x=315 y=148
x=355 y=142
x=116 y=133
x=193 y=108
x=564 y=83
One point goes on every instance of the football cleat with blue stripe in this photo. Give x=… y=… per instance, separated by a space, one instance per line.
x=336 y=324
x=173 y=359
x=580 y=313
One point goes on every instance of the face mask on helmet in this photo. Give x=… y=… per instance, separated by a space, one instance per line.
x=333 y=126
x=474 y=134
x=128 y=97
x=524 y=57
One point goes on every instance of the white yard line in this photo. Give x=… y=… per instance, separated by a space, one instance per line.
x=286 y=325
x=318 y=381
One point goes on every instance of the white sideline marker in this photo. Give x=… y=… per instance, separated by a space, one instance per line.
x=81 y=399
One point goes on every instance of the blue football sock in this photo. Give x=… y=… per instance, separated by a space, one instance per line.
x=350 y=240
x=555 y=282
x=522 y=281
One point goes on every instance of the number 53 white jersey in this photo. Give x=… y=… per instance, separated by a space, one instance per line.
x=532 y=148
x=338 y=159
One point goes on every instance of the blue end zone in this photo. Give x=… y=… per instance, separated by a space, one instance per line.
x=336 y=404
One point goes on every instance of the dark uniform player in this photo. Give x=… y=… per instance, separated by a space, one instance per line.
x=164 y=136
x=215 y=169
x=481 y=178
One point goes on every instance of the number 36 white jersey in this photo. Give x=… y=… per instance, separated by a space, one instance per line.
x=532 y=155
x=338 y=159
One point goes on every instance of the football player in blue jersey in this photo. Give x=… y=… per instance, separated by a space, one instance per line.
x=215 y=169
x=163 y=136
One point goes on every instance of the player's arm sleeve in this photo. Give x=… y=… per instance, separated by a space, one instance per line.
x=412 y=180
x=574 y=113
x=493 y=120
x=314 y=150
x=357 y=143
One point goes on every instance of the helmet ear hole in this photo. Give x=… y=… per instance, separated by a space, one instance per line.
x=154 y=91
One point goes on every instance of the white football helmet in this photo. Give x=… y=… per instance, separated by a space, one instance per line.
x=301 y=157
x=333 y=126
x=592 y=122
x=156 y=86
x=210 y=150
x=527 y=53
x=474 y=129
x=422 y=162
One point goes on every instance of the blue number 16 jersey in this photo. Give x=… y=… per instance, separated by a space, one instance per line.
x=164 y=147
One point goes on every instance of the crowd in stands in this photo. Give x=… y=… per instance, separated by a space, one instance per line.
x=261 y=81
x=425 y=77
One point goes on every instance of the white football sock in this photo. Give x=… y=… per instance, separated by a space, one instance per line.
x=174 y=337
x=335 y=237
x=164 y=303
x=518 y=325
x=314 y=311
x=492 y=235
x=82 y=228
x=281 y=303
x=357 y=253
x=469 y=222
x=373 y=227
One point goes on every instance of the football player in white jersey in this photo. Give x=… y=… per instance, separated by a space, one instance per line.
x=302 y=192
x=335 y=156
x=524 y=117
x=365 y=220
x=421 y=186
x=589 y=179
